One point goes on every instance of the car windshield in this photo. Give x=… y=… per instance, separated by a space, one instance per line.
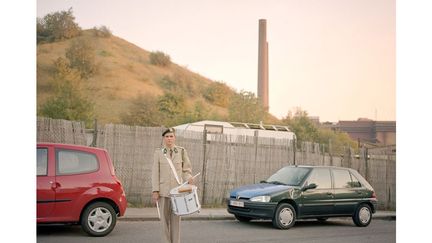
x=292 y=176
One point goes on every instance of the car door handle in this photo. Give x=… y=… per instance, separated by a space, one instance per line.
x=54 y=185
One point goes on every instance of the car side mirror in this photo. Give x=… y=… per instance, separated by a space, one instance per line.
x=310 y=186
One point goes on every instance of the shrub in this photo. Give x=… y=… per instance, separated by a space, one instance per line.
x=218 y=94
x=102 y=31
x=143 y=112
x=81 y=55
x=159 y=58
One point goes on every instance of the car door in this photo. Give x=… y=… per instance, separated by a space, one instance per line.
x=74 y=178
x=348 y=191
x=318 y=201
x=45 y=179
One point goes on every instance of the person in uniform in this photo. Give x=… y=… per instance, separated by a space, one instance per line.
x=163 y=180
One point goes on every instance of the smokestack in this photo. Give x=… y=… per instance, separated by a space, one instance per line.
x=263 y=64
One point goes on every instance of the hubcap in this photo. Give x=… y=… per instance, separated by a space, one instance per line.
x=286 y=216
x=99 y=219
x=364 y=215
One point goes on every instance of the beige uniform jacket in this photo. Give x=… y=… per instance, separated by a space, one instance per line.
x=163 y=179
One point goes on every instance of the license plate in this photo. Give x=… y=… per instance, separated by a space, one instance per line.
x=237 y=203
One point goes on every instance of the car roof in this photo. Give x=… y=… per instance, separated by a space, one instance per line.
x=320 y=166
x=70 y=146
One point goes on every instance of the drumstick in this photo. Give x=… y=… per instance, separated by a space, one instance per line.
x=157 y=206
x=192 y=178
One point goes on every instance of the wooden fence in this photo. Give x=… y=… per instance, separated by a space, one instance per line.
x=224 y=162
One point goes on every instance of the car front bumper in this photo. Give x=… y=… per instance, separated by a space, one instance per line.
x=257 y=210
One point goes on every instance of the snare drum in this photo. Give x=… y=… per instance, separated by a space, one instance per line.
x=185 y=201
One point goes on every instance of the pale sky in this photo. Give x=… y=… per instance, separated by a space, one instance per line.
x=333 y=58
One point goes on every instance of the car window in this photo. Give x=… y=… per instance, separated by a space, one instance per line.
x=42 y=161
x=321 y=177
x=74 y=162
x=354 y=181
x=292 y=176
x=345 y=179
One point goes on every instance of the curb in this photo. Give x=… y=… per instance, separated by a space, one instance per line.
x=225 y=217
x=184 y=218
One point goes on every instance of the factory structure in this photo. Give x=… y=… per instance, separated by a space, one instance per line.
x=263 y=70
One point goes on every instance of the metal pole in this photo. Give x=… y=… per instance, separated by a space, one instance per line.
x=256 y=153
x=95 y=132
x=204 y=172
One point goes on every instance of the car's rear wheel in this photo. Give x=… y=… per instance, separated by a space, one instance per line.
x=242 y=219
x=363 y=215
x=98 y=219
x=285 y=216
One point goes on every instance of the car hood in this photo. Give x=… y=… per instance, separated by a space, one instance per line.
x=254 y=190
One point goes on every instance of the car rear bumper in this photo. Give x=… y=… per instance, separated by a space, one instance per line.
x=258 y=210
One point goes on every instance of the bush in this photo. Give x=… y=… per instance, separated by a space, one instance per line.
x=102 y=31
x=143 y=112
x=218 y=94
x=160 y=59
x=81 y=55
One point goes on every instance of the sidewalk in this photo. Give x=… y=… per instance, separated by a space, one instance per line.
x=150 y=214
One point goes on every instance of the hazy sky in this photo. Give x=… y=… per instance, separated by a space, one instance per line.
x=333 y=58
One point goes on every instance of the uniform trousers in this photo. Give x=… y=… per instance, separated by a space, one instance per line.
x=170 y=222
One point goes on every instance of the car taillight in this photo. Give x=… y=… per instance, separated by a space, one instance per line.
x=373 y=195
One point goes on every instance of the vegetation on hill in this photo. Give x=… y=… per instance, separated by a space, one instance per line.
x=92 y=74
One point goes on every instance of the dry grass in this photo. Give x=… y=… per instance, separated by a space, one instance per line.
x=124 y=72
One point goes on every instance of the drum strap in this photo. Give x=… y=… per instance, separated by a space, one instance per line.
x=172 y=167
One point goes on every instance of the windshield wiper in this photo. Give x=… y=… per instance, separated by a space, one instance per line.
x=276 y=182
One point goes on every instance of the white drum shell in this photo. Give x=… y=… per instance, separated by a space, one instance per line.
x=185 y=203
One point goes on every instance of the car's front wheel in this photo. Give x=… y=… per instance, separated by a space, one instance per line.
x=285 y=216
x=363 y=215
x=98 y=219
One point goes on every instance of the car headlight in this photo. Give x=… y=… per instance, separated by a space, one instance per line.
x=260 y=199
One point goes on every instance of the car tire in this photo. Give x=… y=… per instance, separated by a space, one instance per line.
x=285 y=216
x=242 y=219
x=98 y=219
x=363 y=215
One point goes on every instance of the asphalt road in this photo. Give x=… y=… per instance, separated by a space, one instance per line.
x=334 y=231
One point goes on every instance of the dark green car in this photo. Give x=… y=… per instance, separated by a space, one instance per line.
x=304 y=192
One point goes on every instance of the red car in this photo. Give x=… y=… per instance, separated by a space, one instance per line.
x=77 y=184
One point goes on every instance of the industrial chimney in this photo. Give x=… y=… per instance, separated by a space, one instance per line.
x=263 y=64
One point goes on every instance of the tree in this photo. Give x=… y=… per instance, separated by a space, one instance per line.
x=302 y=126
x=81 y=56
x=246 y=107
x=57 y=26
x=307 y=131
x=68 y=104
